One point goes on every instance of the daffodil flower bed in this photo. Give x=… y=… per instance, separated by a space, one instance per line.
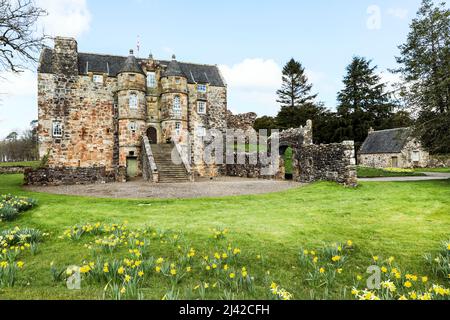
x=13 y=244
x=11 y=206
x=122 y=262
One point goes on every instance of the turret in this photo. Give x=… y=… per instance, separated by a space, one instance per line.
x=174 y=102
x=132 y=114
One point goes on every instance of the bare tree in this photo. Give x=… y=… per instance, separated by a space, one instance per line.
x=19 y=38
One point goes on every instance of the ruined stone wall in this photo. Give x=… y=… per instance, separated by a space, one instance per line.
x=439 y=161
x=332 y=162
x=13 y=170
x=244 y=121
x=68 y=176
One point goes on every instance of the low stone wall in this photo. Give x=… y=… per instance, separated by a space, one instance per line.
x=332 y=162
x=67 y=176
x=439 y=161
x=13 y=170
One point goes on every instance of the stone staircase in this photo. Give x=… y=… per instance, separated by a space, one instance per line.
x=169 y=172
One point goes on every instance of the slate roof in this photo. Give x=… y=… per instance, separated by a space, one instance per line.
x=109 y=64
x=173 y=70
x=131 y=65
x=386 y=141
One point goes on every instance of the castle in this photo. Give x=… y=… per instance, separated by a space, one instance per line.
x=105 y=118
x=95 y=111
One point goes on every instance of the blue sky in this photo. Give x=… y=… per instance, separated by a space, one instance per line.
x=250 y=41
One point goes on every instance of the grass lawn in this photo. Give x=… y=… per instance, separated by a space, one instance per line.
x=33 y=164
x=443 y=170
x=365 y=172
x=404 y=220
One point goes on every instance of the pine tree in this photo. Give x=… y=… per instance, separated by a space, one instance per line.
x=425 y=69
x=295 y=96
x=364 y=102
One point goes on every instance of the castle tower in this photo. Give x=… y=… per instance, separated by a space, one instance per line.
x=132 y=115
x=174 y=103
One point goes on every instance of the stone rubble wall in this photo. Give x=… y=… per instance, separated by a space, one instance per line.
x=13 y=170
x=332 y=162
x=68 y=176
x=245 y=121
x=439 y=161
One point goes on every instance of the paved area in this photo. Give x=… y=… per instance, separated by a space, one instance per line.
x=141 y=190
x=429 y=176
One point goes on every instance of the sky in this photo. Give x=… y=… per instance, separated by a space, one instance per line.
x=250 y=41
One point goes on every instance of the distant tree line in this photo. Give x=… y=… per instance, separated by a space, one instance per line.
x=23 y=147
x=421 y=100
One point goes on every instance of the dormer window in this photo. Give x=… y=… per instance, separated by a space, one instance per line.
x=97 y=78
x=201 y=88
x=57 y=129
x=151 y=80
x=201 y=107
x=133 y=102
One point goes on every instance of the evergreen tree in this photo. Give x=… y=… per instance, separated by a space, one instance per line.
x=425 y=69
x=363 y=103
x=295 y=97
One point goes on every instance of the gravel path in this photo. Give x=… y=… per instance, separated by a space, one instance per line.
x=429 y=176
x=140 y=189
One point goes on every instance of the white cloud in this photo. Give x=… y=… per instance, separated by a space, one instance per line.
x=399 y=13
x=252 y=86
x=70 y=18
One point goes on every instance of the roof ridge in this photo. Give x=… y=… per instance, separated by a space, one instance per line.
x=393 y=129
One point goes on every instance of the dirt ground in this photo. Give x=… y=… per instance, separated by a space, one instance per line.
x=203 y=189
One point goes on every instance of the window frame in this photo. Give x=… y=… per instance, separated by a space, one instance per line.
x=57 y=124
x=203 y=86
x=151 y=79
x=133 y=127
x=98 y=76
x=201 y=102
x=178 y=128
x=176 y=106
x=133 y=97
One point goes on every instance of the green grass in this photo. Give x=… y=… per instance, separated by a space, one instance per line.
x=33 y=164
x=442 y=170
x=405 y=220
x=365 y=172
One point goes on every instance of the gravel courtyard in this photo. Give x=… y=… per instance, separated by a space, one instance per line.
x=140 y=189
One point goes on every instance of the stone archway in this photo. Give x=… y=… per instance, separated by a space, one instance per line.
x=152 y=135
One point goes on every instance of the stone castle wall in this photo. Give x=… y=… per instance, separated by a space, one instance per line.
x=68 y=176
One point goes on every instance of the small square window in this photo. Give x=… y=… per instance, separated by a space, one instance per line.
x=201 y=107
x=202 y=88
x=97 y=78
x=57 y=129
x=133 y=127
x=177 y=80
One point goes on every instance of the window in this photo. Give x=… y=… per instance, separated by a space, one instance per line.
x=201 y=88
x=151 y=80
x=133 y=127
x=178 y=128
x=201 y=107
x=57 y=129
x=177 y=106
x=97 y=78
x=133 y=101
x=201 y=131
x=415 y=156
x=177 y=80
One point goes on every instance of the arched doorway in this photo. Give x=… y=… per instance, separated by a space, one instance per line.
x=287 y=156
x=152 y=135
